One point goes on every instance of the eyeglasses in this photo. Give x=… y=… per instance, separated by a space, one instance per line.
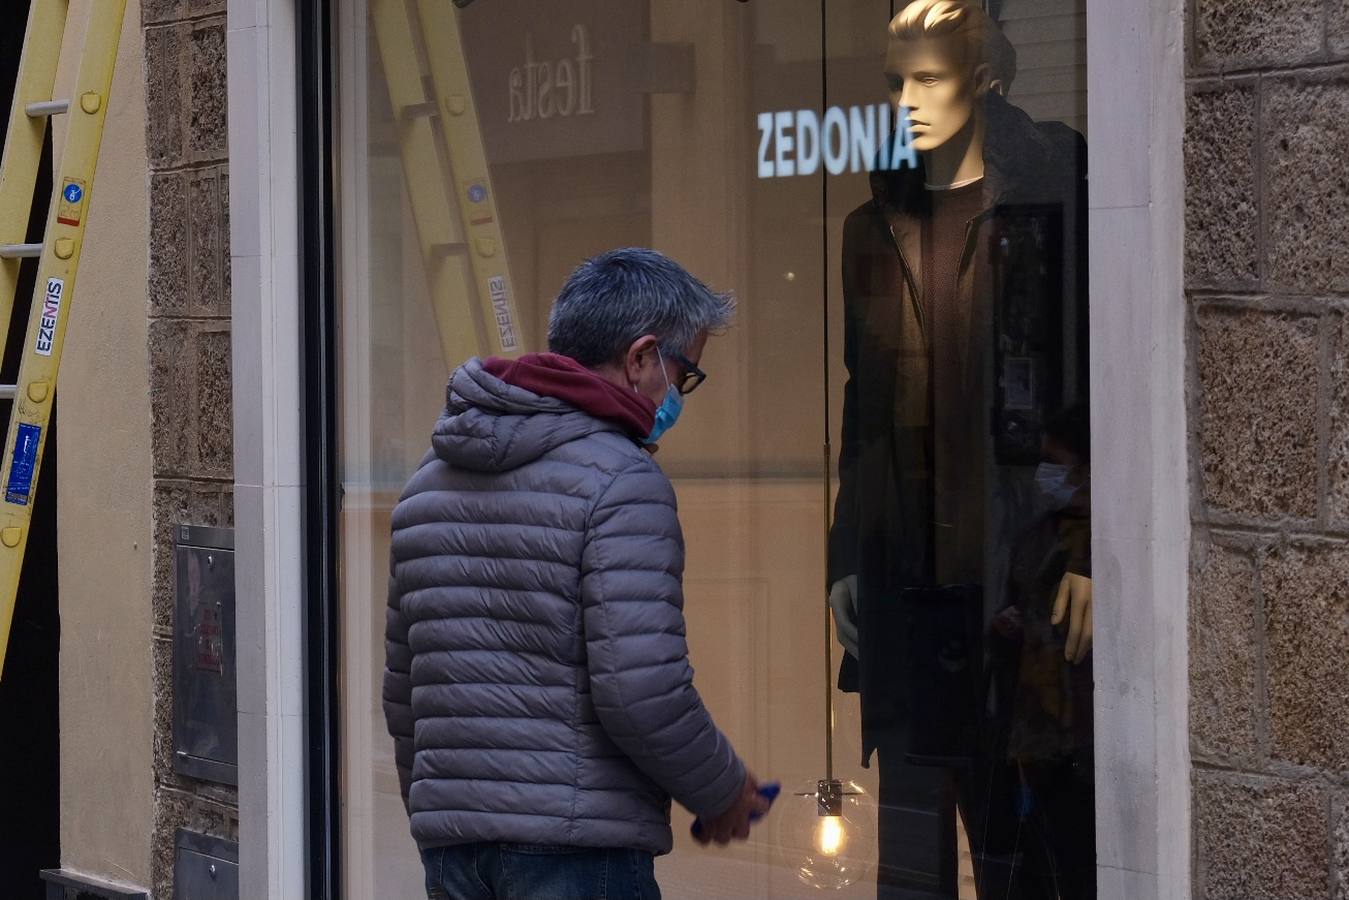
x=692 y=377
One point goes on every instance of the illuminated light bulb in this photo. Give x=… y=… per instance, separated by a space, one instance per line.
x=829 y=835
x=826 y=833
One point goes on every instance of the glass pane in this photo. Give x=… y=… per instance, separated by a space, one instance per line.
x=963 y=508
x=487 y=151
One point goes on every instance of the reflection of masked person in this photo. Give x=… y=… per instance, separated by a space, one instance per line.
x=1049 y=717
x=1043 y=703
x=960 y=281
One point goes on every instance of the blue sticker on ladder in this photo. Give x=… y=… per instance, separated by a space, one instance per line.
x=20 y=485
x=74 y=193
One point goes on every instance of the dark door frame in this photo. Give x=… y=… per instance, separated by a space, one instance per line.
x=321 y=498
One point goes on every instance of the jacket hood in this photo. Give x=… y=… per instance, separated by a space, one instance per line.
x=563 y=378
x=1024 y=161
x=490 y=425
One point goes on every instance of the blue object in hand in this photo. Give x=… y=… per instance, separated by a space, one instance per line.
x=1025 y=801
x=768 y=791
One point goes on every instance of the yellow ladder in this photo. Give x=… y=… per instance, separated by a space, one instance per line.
x=445 y=168
x=59 y=253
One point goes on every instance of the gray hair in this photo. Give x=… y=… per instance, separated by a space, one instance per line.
x=613 y=299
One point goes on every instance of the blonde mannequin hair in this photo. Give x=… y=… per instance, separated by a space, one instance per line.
x=982 y=41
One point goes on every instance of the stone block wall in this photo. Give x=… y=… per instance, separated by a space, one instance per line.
x=189 y=348
x=1267 y=283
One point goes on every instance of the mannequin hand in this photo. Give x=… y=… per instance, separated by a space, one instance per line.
x=843 y=601
x=1074 y=603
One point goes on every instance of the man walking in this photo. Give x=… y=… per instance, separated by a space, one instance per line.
x=537 y=683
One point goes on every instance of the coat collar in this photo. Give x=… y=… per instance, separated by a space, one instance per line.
x=1024 y=162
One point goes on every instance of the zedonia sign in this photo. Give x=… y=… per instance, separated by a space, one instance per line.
x=855 y=139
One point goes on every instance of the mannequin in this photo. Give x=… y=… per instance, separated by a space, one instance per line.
x=961 y=280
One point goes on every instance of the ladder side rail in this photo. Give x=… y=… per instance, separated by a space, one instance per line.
x=440 y=235
x=24 y=137
x=52 y=303
x=461 y=133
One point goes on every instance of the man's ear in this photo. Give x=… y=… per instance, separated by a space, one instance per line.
x=997 y=87
x=636 y=358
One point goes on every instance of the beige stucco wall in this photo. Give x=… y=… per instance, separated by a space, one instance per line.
x=104 y=498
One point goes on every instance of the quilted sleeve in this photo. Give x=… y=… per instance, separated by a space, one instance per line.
x=640 y=678
x=397 y=694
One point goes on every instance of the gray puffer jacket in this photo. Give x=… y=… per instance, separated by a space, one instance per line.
x=537 y=685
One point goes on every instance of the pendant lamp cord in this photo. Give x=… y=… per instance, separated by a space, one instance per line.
x=828 y=448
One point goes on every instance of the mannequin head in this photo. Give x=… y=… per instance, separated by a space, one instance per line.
x=944 y=58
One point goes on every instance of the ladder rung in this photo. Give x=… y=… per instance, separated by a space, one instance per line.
x=20 y=251
x=8 y=391
x=47 y=108
x=420 y=110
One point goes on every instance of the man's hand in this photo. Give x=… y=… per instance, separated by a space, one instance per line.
x=734 y=823
x=1074 y=602
x=843 y=601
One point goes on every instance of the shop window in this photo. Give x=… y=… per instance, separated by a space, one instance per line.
x=896 y=421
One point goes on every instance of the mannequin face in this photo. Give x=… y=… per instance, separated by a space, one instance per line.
x=652 y=373
x=941 y=94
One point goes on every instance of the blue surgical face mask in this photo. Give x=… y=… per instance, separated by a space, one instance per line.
x=1052 y=480
x=670 y=408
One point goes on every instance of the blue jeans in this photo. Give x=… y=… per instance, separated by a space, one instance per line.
x=537 y=872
